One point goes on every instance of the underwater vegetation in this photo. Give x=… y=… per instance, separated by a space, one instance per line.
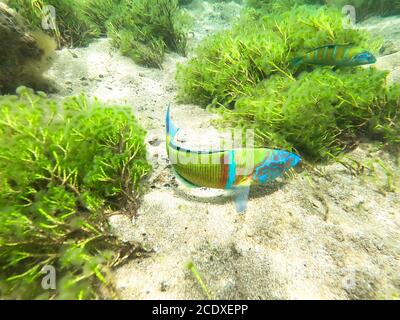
x=145 y=29
x=71 y=28
x=197 y=276
x=184 y=2
x=246 y=75
x=63 y=166
x=141 y=29
x=367 y=8
x=234 y=61
x=98 y=12
x=364 y=8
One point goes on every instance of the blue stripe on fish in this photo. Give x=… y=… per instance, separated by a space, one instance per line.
x=346 y=53
x=231 y=170
x=325 y=53
x=334 y=53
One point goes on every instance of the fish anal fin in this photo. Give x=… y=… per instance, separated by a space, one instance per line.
x=297 y=62
x=241 y=197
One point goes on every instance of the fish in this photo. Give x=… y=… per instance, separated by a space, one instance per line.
x=232 y=169
x=336 y=55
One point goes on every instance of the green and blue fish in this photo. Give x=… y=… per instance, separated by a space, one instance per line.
x=336 y=55
x=235 y=169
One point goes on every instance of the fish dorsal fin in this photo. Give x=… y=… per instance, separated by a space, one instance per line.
x=182 y=149
x=172 y=130
x=330 y=46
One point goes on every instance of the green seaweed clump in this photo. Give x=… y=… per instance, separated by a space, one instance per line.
x=145 y=29
x=71 y=27
x=368 y=8
x=98 y=12
x=184 y=2
x=364 y=8
x=142 y=29
x=232 y=62
x=318 y=111
x=321 y=113
x=268 y=6
x=63 y=166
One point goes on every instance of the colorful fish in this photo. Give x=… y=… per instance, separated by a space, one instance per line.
x=336 y=55
x=235 y=169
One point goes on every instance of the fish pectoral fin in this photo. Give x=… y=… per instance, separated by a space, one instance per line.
x=297 y=62
x=335 y=68
x=183 y=180
x=241 y=197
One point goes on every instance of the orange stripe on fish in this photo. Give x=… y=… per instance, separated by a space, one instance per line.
x=320 y=54
x=225 y=169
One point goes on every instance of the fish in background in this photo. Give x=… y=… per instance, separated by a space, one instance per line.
x=235 y=169
x=336 y=55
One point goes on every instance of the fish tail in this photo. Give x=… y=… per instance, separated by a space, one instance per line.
x=170 y=127
x=297 y=62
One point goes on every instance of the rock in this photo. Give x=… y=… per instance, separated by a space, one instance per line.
x=388 y=28
x=155 y=142
x=25 y=55
x=163 y=286
x=392 y=64
x=211 y=16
